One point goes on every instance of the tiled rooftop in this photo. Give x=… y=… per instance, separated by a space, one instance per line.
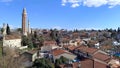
x=56 y=52
x=87 y=63
x=50 y=43
x=101 y=56
x=72 y=47
x=10 y=37
x=87 y=49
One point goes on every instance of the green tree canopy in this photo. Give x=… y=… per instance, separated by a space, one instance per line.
x=27 y=42
x=19 y=29
x=61 y=60
x=24 y=40
x=30 y=44
x=42 y=63
x=41 y=40
x=2 y=30
x=35 y=34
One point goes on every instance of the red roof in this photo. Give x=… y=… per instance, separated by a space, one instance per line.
x=87 y=63
x=91 y=50
x=102 y=56
x=73 y=65
x=87 y=49
x=49 y=43
x=10 y=37
x=56 y=52
x=71 y=47
x=66 y=46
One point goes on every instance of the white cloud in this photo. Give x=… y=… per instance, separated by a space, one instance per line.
x=13 y=26
x=6 y=1
x=94 y=3
x=56 y=27
x=75 y=5
x=63 y=4
x=91 y=3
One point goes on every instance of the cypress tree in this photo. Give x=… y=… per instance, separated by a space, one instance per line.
x=8 y=30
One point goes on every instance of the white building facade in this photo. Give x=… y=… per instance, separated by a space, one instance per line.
x=12 y=43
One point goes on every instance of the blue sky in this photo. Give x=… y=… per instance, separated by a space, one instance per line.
x=66 y=14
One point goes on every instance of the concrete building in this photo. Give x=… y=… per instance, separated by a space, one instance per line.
x=29 y=58
x=30 y=55
x=57 y=53
x=49 y=45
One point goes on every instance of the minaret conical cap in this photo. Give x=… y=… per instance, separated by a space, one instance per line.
x=24 y=10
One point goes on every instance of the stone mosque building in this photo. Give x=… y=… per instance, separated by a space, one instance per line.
x=14 y=40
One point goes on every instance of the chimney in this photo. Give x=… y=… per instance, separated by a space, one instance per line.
x=93 y=63
x=79 y=65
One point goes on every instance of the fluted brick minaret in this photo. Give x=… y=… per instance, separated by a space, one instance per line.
x=24 y=18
